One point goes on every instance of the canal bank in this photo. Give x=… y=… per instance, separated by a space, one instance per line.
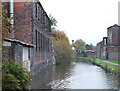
x=110 y=66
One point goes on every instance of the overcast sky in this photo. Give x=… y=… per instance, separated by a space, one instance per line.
x=83 y=19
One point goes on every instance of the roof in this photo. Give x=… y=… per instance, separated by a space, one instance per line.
x=115 y=25
x=18 y=41
x=101 y=42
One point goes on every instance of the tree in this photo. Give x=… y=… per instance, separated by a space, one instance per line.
x=53 y=22
x=79 y=45
x=93 y=47
x=59 y=35
x=62 y=48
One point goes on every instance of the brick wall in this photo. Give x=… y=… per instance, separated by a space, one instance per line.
x=110 y=50
x=23 y=21
x=31 y=25
x=41 y=34
x=112 y=55
x=113 y=52
x=112 y=34
x=8 y=53
x=18 y=52
x=99 y=49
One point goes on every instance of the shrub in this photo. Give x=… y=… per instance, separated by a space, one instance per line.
x=62 y=49
x=9 y=81
x=63 y=52
x=16 y=74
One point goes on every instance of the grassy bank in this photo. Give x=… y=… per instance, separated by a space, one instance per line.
x=111 y=60
x=111 y=68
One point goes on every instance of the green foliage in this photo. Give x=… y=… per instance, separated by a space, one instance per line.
x=62 y=48
x=16 y=74
x=5 y=20
x=79 y=45
x=110 y=60
x=53 y=22
x=9 y=81
x=59 y=36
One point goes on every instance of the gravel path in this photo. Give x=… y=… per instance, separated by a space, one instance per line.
x=109 y=62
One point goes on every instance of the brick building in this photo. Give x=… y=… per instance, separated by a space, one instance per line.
x=99 y=48
x=113 y=43
x=109 y=48
x=30 y=39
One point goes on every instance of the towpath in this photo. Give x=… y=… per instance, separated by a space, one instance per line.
x=108 y=62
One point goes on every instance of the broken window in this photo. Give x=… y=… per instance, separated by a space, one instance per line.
x=105 y=40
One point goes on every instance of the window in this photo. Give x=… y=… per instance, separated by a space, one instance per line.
x=48 y=44
x=110 y=35
x=39 y=40
x=26 y=61
x=36 y=39
x=36 y=10
x=25 y=53
x=105 y=40
x=38 y=13
x=43 y=38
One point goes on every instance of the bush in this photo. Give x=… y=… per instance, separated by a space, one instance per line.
x=63 y=52
x=14 y=76
x=9 y=81
x=62 y=49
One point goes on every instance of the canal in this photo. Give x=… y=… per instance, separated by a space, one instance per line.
x=77 y=75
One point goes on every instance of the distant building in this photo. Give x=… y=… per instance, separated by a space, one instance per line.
x=30 y=43
x=89 y=52
x=99 y=49
x=88 y=47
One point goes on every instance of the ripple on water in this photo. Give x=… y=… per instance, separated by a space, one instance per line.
x=78 y=76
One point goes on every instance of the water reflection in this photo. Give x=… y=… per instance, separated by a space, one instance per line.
x=78 y=75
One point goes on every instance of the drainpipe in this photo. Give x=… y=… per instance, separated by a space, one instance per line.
x=11 y=4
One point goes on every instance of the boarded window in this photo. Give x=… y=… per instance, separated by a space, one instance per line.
x=25 y=53
x=26 y=61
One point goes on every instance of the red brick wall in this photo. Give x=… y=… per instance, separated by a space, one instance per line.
x=113 y=52
x=112 y=49
x=8 y=53
x=23 y=21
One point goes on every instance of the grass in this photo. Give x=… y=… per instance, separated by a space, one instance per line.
x=111 y=68
x=104 y=64
x=111 y=60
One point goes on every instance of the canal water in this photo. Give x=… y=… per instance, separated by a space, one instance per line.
x=77 y=75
